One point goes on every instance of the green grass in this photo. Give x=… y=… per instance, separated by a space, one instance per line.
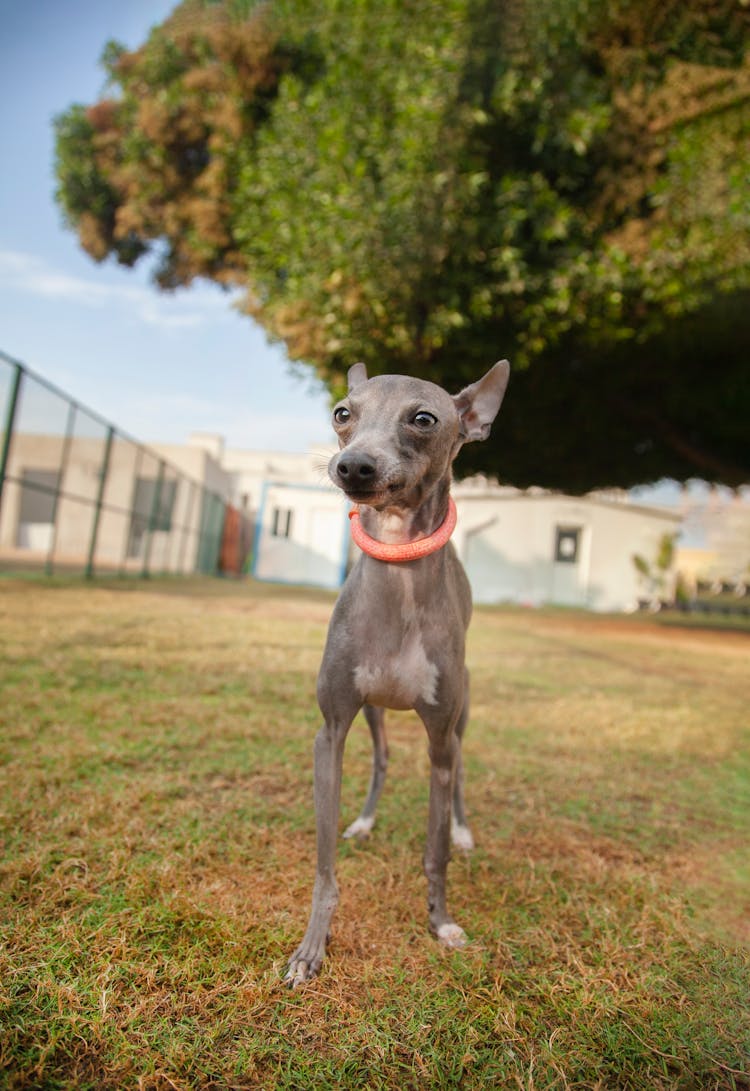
x=158 y=838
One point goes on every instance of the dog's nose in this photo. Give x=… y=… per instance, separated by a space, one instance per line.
x=355 y=469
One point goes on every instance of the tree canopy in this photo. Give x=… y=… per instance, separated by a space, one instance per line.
x=429 y=186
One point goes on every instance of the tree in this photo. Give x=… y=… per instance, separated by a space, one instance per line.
x=427 y=186
x=655 y=575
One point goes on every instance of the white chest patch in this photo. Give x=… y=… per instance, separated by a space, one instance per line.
x=401 y=680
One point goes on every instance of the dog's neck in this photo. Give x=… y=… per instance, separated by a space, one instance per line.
x=398 y=525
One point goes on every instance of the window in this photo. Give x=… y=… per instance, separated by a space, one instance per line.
x=143 y=509
x=37 y=508
x=567 y=542
x=38 y=489
x=281 y=524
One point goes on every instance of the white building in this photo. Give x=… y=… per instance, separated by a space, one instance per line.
x=536 y=547
x=301 y=535
x=529 y=547
x=532 y=547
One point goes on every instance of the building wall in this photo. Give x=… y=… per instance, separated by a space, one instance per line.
x=697 y=564
x=729 y=537
x=249 y=470
x=513 y=548
x=301 y=535
x=513 y=544
x=199 y=464
x=34 y=525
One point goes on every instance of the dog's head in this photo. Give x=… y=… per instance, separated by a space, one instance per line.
x=398 y=435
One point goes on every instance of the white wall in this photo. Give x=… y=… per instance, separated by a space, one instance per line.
x=506 y=540
x=507 y=544
x=249 y=470
x=171 y=550
x=311 y=548
x=617 y=534
x=199 y=464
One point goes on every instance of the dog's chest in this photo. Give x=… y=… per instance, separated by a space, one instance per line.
x=403 y=680
x=395 y=667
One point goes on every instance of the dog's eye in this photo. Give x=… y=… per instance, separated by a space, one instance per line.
x=341 y=415
x=423 y=419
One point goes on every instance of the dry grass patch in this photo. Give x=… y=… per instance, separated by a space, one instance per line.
x=159 y=836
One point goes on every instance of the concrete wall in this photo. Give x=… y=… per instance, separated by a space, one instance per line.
x=33 y=523
x=250 y=470
x=301 y=535
x=198 y=464
x=512 y=543
x=510 y=548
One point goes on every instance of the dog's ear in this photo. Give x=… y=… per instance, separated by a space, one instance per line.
x=478 y=404
x=356 y=375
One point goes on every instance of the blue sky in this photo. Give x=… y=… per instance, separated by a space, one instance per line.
x=159 y=366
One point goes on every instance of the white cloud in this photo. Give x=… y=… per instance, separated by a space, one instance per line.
x=36 y=277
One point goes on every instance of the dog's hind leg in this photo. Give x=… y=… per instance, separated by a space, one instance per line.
x=376 y=722
x=461 y=836
x=443 y=747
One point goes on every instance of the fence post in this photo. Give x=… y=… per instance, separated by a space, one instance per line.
x=61 y=469
x=103 y=473
x=186 y=530
x=131 y=510
x=10 y=418
x=153 y=518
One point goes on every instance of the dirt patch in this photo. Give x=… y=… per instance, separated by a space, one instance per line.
x=628 y=626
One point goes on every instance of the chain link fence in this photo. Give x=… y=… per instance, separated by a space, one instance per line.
x=76 y=494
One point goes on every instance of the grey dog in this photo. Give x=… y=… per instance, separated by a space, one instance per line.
x=397 y=633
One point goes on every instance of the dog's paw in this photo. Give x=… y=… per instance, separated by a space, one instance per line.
x=298 y=972
x=360 y=827
x=301 y=969
x=452 y=935
x=461 y=837
x=305 y=963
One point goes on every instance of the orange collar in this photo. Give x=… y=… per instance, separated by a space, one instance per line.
x=405 y=551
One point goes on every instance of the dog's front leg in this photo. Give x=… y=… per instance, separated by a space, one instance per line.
x=443 y=760
x=329 y=755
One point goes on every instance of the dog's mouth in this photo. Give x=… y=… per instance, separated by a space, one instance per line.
x=375 y=497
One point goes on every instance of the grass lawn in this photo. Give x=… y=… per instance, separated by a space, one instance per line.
x=158 y=855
